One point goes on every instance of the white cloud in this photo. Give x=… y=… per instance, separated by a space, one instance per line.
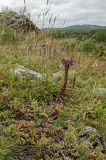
x=71 y=11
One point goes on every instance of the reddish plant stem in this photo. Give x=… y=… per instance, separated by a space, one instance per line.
x=64 y=86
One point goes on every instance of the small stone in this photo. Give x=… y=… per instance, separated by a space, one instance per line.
x=57 y=76
x=100 y=92
x=91 y=130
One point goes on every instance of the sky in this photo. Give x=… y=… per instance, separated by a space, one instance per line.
x=67 y=12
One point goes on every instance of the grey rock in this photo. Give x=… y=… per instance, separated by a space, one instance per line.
x=94 y=139
x=91 y=130
x=88 y=130
x=100 y=92
x=21 y=70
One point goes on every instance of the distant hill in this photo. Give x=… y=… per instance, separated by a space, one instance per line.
x=85 y=27
x=76 y=27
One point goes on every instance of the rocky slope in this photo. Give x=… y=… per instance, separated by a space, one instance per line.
x=17 y=21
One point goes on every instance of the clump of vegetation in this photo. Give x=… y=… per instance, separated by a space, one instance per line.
x=87 y=46
x=85 y=40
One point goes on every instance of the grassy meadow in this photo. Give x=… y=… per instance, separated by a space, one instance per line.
x=33 y=126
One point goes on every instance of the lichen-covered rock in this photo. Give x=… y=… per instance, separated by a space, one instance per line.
x=17 y=21
x=91 y=130
x=93 y=139
x=21 y=70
